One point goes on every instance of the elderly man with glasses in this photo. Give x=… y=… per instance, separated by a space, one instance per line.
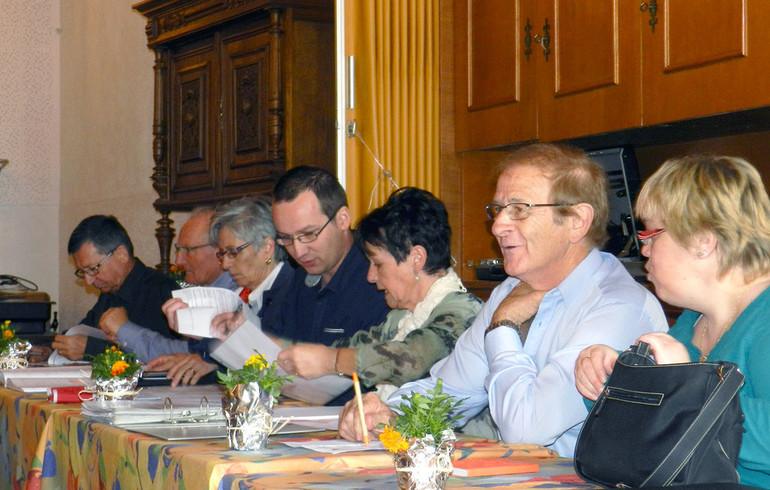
x=517 y=360
x=199 y=259
x=330 y=297
x=129 y=290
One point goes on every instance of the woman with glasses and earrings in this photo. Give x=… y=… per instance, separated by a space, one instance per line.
x=245 y=236
x=708 y=250
x=407 y=243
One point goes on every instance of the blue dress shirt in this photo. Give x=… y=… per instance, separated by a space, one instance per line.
x=530 y=389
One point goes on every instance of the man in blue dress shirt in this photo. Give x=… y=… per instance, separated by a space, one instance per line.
x=549 y=216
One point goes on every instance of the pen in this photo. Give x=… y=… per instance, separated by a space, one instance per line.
x=360 y=403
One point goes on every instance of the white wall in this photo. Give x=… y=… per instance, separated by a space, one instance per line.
x=29 y=138
x=106 y=133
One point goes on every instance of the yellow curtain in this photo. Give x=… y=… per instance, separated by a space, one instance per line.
x=395 y=45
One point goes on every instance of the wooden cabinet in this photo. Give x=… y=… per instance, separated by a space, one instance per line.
x=494 y=74
x=706 y=57
x=534 y=69
x=590 y=81
x=243 y=90
x=560 y=69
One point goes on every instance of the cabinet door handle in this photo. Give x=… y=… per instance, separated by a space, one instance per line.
x=652 y=8
x=527 y=39
x=545 y=39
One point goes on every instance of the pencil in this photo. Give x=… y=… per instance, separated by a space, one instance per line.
x=360 y=403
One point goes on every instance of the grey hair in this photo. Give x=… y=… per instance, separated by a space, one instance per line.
x=248 y=218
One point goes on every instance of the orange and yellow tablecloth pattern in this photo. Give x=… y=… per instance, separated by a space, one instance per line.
x=53 y=447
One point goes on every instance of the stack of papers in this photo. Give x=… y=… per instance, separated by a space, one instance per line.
x=204 y=304
x=40 y=379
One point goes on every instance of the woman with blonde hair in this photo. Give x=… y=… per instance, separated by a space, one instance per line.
x=708 y=247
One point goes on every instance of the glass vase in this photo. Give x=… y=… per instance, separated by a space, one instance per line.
x=248 y=413
x=425 y=465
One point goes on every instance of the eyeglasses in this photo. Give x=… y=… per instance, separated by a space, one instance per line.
x=187 y=250
x=515 y=210
x=646 y=236
x=231 y=253
x=92 y=271
x=288 y=240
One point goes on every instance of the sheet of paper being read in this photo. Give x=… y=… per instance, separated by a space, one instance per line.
x=205 y=303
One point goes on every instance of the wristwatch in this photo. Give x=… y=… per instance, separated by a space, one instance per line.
x=503 y=323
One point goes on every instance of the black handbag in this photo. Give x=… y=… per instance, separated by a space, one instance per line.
x=660 y=425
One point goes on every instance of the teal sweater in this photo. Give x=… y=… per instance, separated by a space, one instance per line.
x=747 y=344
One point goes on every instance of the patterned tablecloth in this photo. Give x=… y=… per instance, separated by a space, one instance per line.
x=52 y=446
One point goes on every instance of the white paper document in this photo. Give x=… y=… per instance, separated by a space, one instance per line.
x=205 y=303
x=335 y=446
x=242 y=343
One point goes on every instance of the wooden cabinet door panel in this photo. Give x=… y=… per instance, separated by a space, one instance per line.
x=705 y=57
x=494 y=79
x=193 y=153
x=245 y=69
x=593 y=70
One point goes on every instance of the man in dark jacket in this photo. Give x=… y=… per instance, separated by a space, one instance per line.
x=130 y=291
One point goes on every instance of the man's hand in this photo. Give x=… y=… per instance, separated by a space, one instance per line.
x=39 y=353
x=592 y=367
x=170 y=308
x=111 y=321
x=186 y=369
x=520 y=305
x=308 y=360
x=70 y=346
x=375 y=412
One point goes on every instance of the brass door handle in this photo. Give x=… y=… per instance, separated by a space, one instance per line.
x=652 y=8
x=545 y=39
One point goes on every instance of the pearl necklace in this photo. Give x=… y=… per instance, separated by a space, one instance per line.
x=704 y=355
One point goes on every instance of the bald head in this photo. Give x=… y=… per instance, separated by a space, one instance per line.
x=195 y=254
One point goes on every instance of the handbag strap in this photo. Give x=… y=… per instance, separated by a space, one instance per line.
x=725 y=390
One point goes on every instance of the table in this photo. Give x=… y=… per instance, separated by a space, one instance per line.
x=52 y=446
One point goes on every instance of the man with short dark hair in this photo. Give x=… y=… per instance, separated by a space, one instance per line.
x=330 y=298
x=130 y=291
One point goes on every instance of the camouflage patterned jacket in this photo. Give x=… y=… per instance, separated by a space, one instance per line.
x=381 y=360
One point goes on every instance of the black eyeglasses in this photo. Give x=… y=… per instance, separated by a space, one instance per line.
x=288 y=240
x=187 y=250
x=515 y=210
x=92 y=271
x=231 y=252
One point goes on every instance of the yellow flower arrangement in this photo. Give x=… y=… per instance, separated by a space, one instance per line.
x=421 y=415
x=114 y=363
x=255 y=369
x=7 y=336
